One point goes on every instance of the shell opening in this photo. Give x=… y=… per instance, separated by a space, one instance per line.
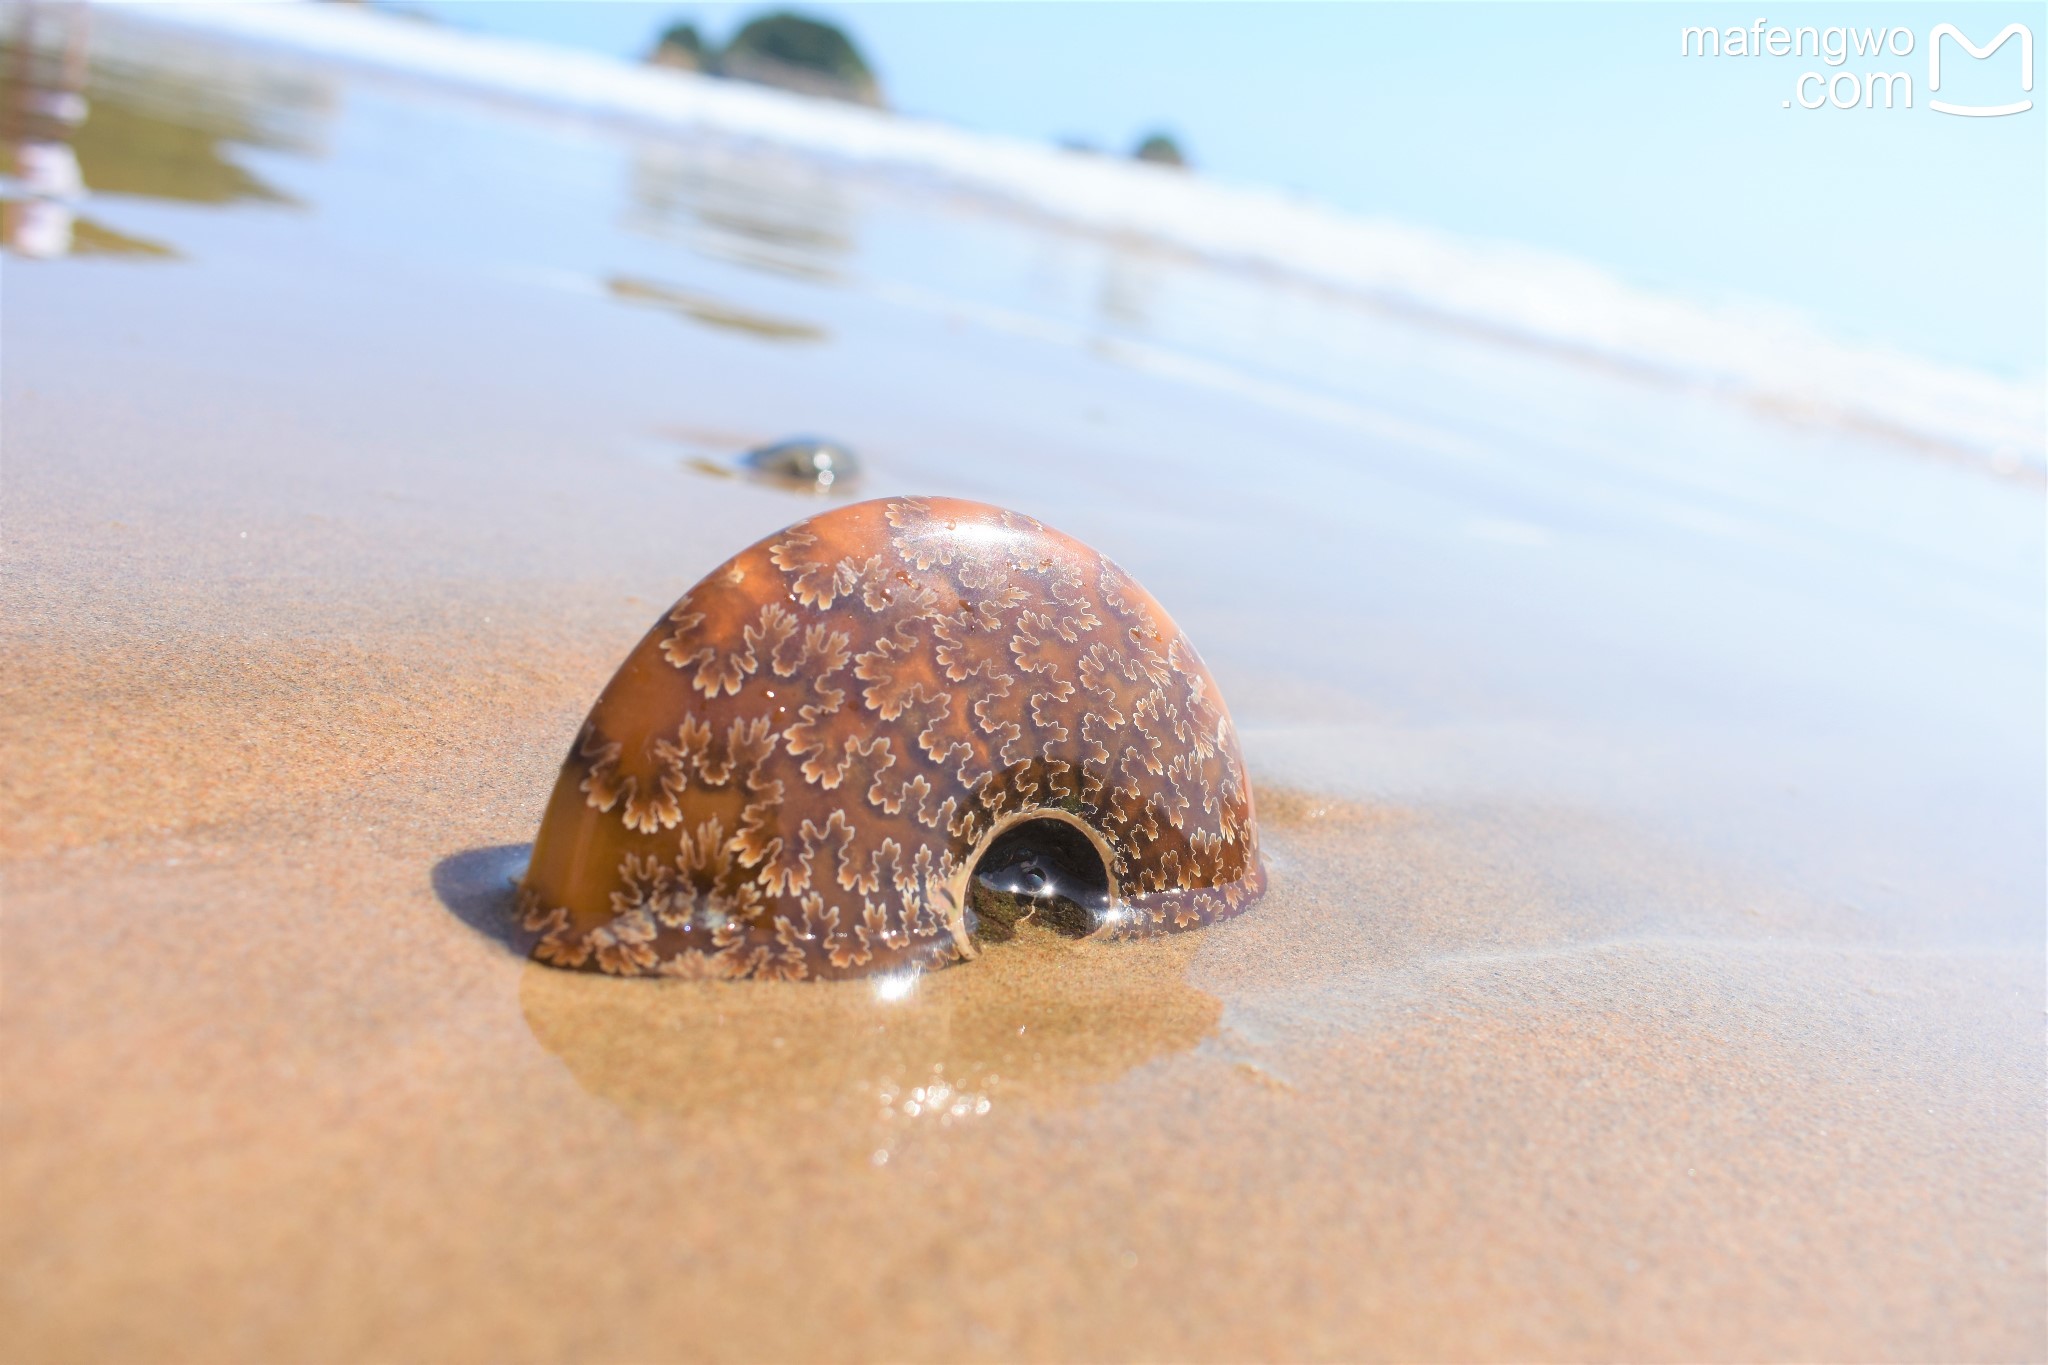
x=1044 y=871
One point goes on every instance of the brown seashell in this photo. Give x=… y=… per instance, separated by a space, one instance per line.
x=797 y=771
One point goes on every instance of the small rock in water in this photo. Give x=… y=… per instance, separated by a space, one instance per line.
x=804 y=462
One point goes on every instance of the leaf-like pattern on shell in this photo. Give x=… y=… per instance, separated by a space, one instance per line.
x=792 y=774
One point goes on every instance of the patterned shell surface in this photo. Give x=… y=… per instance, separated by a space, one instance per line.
x=792 y=774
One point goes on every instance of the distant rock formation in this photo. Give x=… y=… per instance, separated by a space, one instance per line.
x=805 y=55
x=681 y=48
x=782 y=49
x=1161 y=150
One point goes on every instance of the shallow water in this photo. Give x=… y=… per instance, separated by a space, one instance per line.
x=1651 y=785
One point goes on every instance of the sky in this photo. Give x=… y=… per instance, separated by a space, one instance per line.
x=1576 y=128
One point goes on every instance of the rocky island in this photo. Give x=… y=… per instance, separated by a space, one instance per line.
x=783 y=49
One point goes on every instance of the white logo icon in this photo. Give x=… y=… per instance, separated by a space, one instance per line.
x=2026 y=37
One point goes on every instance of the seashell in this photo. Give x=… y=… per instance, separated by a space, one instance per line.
x=848 y=735
x=803 y=462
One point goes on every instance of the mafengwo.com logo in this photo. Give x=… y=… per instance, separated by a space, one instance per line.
x=1869 y=86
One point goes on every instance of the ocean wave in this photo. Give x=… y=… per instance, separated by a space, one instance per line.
x=1775 y=360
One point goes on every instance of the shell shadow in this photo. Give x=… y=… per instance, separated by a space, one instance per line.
x=479 y=886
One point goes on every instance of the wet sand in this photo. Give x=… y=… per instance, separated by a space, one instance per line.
x=1685 y=1003
x=270 y=1098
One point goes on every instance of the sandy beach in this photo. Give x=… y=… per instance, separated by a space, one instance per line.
x=1650 y=785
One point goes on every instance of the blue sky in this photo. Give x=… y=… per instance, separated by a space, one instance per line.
x=1574 y=127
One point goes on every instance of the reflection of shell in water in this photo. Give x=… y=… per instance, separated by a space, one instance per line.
x=1037 y=1025
x=795 y=772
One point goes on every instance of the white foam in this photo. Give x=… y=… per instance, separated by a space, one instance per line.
x=1774 y=359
